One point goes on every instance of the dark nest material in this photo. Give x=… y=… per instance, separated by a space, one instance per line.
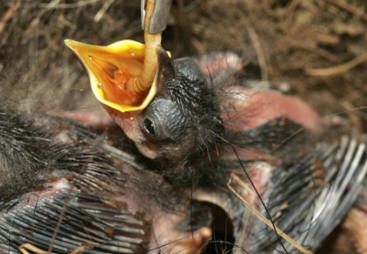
x=315 y=49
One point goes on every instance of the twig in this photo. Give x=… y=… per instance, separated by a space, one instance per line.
x=253 y=210
x=353 y=116
x=103 y=10
x=68 y=6
x=36 y=20
x=259 y=51
x=337 y=69
x=291 y=7
x=349 y=8
x=8 y=15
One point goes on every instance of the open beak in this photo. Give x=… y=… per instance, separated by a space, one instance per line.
x=110 y=68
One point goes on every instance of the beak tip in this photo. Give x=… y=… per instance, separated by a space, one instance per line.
x=67 y=41
x=70 y=43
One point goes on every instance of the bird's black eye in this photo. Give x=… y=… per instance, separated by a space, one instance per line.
x=163 y=120
x=149 y=127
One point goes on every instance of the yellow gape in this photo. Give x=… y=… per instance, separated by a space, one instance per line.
x=113 y=71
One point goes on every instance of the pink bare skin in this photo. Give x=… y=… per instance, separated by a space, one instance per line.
x=165 y=239
x=130 y=123
x=220 y=66
x=245 y=109
x=49 y=190
x=114 y=120
x=355 y=225
x=248 y=109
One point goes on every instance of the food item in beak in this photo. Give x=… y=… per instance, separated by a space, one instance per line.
x=112 y=71
x=117 y=73
x=122 y=75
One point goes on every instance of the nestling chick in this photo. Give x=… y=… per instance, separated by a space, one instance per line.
x=65 y=189
x=204 y=129
x=207 y=138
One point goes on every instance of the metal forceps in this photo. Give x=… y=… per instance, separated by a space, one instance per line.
x=159 y=18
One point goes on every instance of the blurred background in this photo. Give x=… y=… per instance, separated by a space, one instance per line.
x=315 y=49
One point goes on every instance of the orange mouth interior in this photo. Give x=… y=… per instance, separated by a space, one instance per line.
x=113 y=71
x=114 y=78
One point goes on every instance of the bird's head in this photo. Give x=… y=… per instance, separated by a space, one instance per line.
x=170 y=121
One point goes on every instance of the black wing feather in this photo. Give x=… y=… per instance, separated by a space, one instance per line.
x=305 y=208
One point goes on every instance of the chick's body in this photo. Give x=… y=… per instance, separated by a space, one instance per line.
x=300 y=170
x=205 y=138
x=65 y=188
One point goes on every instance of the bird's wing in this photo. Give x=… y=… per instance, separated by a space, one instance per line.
x=310 y=196
x=93 y=226
x=65 y=188
x=58 y=194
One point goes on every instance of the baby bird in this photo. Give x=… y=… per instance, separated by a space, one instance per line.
x=199 y=150
x=65 y=189
x=285 y=176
